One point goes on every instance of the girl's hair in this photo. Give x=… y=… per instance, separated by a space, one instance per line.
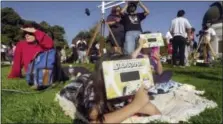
x=99 y=85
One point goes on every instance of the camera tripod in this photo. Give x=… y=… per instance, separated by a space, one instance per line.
x=101 y=26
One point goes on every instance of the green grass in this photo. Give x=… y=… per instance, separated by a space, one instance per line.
x=40 y=107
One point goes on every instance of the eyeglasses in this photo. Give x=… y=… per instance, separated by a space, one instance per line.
x=25 y=32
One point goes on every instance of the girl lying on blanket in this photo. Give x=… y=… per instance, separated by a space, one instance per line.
x=159 y=75
x=87 y=93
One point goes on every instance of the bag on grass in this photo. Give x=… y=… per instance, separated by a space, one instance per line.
x=41 y=69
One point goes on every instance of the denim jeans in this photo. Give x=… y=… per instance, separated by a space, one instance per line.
x=81 y=55
x=131 y=41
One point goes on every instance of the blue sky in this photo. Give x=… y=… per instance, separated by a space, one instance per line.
x=71 y=14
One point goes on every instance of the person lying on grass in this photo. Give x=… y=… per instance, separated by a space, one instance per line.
x=159 y=75
x=35 y=41
x=88 y=95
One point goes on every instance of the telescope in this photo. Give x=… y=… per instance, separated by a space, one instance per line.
x=105 y=6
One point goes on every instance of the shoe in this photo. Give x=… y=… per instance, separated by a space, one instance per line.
x=174 y=66
x=182 y=66
x=34 y=87
x=187 y=65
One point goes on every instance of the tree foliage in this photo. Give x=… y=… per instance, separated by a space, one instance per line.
x=88 y=35
x=11 y=23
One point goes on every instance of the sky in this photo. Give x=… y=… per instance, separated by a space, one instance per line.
x=71 y=15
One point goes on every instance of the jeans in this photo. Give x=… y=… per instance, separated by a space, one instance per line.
x=179 y=42
x=81 y=55
x=130 y=41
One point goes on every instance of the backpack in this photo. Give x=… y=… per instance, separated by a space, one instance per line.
x=80 y=93
x=41 y=69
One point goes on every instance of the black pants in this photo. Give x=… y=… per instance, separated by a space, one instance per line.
x=178 y=43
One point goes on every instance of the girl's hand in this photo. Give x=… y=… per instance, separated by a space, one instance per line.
x=31 y=30
x=142 y=42
x=141 y=98
x=156 y=56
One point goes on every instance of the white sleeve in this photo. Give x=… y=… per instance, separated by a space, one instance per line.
x=171 y=26
x=212 y=32
x=168 y=35
x=187 y=24
x=78 y=42
x=97 y=46
x=85 y=42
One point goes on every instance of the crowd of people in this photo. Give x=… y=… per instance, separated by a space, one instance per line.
x=126 y=26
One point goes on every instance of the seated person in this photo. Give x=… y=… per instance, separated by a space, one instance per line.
x=160 y=76
x=94 y=52
x=35 y=41
x=90 y=99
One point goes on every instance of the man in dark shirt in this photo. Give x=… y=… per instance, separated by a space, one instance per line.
x=132 y=24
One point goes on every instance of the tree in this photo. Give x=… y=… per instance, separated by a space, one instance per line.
x=45 y=25
x=9 y=16
x=11 y=23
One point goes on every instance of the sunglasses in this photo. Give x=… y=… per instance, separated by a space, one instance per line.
x=25 y=32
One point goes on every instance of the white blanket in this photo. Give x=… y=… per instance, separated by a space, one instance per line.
x=178 y=105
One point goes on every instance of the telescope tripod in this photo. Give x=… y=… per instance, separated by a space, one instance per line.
x=101 y=26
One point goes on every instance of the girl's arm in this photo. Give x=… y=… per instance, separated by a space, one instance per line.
x=159 y=67
x=137 y=51
x=141 y=99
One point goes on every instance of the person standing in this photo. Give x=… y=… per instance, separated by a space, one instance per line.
x=63 y=55
x=117 y=28
x=168 y=40
x=209 y=36
x=189 y=47
x=11 y=51
x=132 y=24
x=180 y=29
x=3 y=52
x=82 y=50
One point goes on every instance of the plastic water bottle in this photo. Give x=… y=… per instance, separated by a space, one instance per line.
x=71 y=72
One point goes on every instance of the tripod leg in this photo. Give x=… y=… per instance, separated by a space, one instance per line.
x=93 y=38
x=212 y=51
x=102 y=45
x=116 y=43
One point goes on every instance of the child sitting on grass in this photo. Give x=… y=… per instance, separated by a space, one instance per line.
x=159 y=76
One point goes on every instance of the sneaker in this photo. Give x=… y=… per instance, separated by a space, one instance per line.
x=187 y=65
x=34 y=87
x=174 y=66
x=182 y=66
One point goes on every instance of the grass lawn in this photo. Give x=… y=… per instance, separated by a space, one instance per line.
x=40 y=107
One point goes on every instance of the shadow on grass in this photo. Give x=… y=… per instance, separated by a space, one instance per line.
x=5 y=65
x=201 y=75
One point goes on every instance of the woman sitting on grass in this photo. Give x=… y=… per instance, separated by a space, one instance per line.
x=35 y=41
x=160 y=76
x=88 y=94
